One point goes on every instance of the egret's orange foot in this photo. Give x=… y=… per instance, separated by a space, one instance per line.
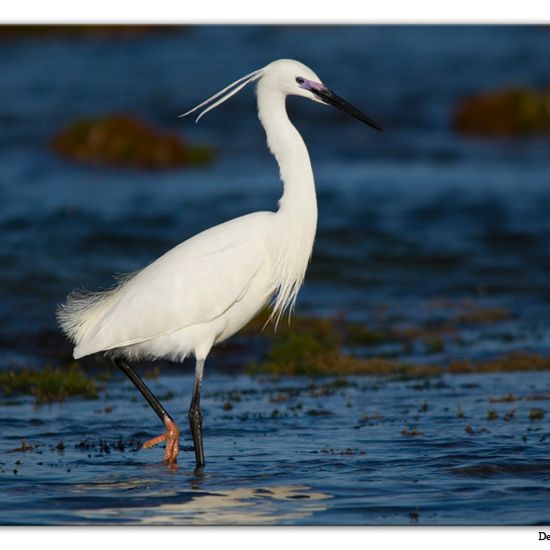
x=171 y=436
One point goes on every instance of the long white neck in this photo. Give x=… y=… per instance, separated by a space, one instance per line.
x=297 y=214
x=288 y=148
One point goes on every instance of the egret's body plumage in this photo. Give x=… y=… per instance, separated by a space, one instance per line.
x=187 y=300
x=207 y=288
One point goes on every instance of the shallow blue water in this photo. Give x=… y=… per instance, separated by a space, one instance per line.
x=408 y=217
x=292 y=451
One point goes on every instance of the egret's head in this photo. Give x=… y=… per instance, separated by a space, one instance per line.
x=294 y=78
x=287 y=77
x=291 y=78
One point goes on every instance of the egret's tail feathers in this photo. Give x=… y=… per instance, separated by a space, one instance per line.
x=242 y=82
x=80 y=313
x=83 y=310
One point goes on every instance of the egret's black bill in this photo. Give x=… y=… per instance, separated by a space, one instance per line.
x=331 y=98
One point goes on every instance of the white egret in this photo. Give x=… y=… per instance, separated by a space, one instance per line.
x=207 y=288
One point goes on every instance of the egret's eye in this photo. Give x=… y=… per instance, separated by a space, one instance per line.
x=299 y=79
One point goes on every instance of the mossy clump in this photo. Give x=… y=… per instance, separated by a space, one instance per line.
x=514 y=361
x=306 y=346
x=431 y=335
x=325 y=329
x=318 y=346
x=126 y=141
x=304 y=356
x=509 y=112
x=411 y=433
x=363 y=335
x=48 y=384
x=471 y=314
x=314 y=346
x=510 y=398
x=536 y=414
x=434 y=345
x=298 y=346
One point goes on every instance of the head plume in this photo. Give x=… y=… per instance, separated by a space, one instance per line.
x=229 y=91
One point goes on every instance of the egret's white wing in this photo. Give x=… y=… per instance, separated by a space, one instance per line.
x=191 y=284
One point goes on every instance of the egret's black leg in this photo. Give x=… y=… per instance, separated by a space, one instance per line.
x=195 y=415
x=171 y=436
x=144 y=390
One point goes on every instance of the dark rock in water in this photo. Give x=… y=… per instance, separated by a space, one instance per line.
x=126 y=141
x=510 y=112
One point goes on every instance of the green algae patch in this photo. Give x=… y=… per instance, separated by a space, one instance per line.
x=305 y=356
x=125 y=141
x=319 y=346
x=338 y=331
x=471 y=314
x=508 y=112
x=325 y=329
x=363 y=335
x=513 y=361
x=48 y=384
x=314 y=346
x=313 y=334
x=333 y=362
